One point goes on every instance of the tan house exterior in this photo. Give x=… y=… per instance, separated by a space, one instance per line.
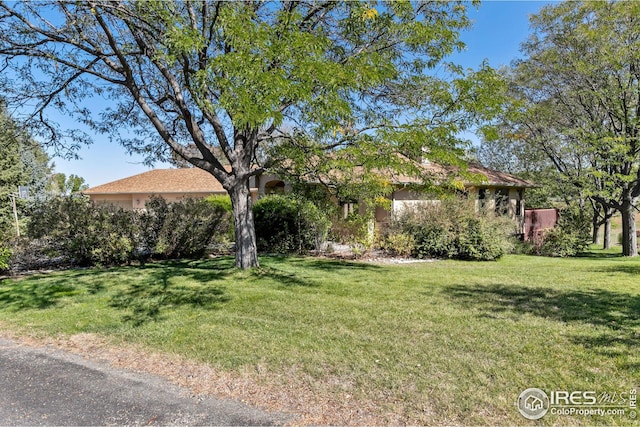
x=500 y=192
x=133 y=193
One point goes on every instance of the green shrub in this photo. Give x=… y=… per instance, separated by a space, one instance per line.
x=399 y=244
x=182 y=229
x=570 y=237
x=224 y=202
x=5 y=257
x=558 y=242
x=481 y=240
x=74 y=228
x=356 y=230
x=287 y=224
x=89 y=235
x=453 y=229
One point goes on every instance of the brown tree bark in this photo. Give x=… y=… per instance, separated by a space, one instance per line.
x=629 y=237
x=246 y=249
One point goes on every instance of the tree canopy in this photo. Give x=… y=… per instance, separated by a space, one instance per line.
x=578 y=101
x=23 y=162
x=235 y=79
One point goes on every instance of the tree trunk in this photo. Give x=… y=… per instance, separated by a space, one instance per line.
x=629 y=238
x=606 y=241
x=245 y=233
x=595 y=226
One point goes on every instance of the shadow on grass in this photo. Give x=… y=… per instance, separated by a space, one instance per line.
x=621 y=268
x=619 y=313
x=173 y=284
x=282 y=277
x=324 y=264
x=39 y=292
x=596 y=254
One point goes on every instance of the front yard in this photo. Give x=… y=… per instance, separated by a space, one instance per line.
x=442 y=342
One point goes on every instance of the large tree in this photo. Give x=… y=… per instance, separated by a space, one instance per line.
x=229 y=77
x=580 y=90
x=23 y=162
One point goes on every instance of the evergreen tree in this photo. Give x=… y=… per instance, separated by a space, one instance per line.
x=23 y=162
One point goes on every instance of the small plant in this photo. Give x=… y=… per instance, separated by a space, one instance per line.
x=5 y=257
x=399 y=244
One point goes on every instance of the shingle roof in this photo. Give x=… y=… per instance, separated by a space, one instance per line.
x=185 y=180
x=493 y=177
x=439 y=172
x=498 y=178
x=195 y=180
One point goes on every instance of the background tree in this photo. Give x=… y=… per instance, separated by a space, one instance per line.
x=579 y=88
x=60 y=184
x=23 y=162
x=528 y=144
x=229 y=77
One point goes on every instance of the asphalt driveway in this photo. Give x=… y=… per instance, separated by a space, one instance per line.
x=43 y=386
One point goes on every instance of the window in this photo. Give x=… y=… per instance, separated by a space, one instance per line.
x=519 y=205
x=482 y=198
x=348 y=208
x=274 y=187
x=502 y=201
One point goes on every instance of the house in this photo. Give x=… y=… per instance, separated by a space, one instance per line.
x=500 y=192
x=133 y=193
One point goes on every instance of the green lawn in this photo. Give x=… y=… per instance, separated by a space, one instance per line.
x=442 y=342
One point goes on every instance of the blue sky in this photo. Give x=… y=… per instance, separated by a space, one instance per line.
x=499 y=29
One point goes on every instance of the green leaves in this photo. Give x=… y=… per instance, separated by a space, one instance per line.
x=578 y=98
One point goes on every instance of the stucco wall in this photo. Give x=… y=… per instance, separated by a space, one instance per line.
x=139 y=201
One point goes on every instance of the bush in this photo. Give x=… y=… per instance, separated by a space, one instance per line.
x=71 y=229
x=453 y=229
x=89 y=235
x=37 y=254
x=224 y=203
x=182 y=229
x=287 y=224
x=5 y=257
x=570 y=236
x=356 y=230
x=558 y=242
x=482 y=239
x=399 y=244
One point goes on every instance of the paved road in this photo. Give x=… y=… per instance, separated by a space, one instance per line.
x=50 y=387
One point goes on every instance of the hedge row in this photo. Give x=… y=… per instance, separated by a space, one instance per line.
x=74 y=231
x=71 y=230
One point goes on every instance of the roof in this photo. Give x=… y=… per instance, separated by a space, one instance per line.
x=437 y=172
x=492 y=176
x=195 y=180
x=162 y=181
x=498 y=178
